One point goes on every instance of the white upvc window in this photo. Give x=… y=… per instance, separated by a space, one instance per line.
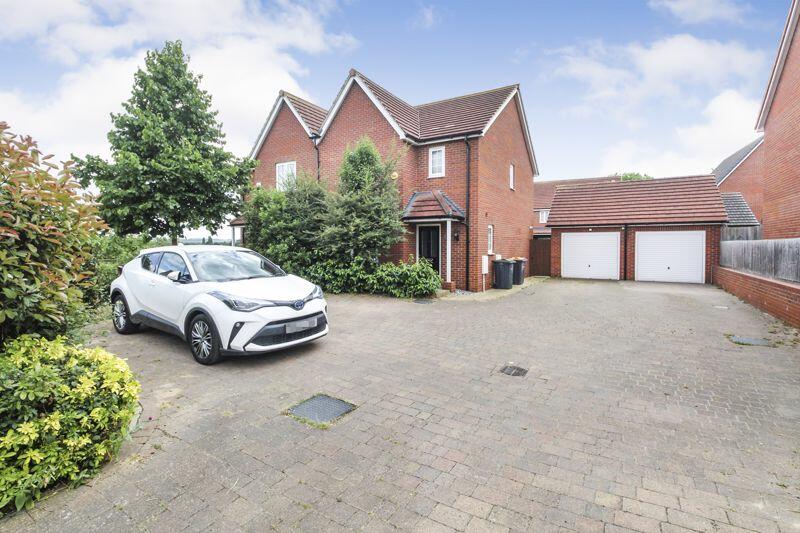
x=436 y=162
x=543 y=214
x=490 y=239
x=283 y=173
x=511 y=176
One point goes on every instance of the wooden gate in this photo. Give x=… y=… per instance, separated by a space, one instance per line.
x=540 y=256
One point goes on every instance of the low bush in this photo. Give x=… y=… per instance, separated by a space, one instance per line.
x=411 y=279
x=64 y=411
x=108 y=252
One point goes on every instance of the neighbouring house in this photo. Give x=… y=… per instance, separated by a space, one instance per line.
x=465 y=166
x=742 y=222
x=664 y=229
x=765 y=273
x=543 y=192
x=743 y=172
x=779 y=120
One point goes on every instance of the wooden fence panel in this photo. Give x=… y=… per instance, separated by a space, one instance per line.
x=772 y=258
x=741 y=233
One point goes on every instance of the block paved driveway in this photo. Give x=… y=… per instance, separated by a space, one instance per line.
x=637 y=414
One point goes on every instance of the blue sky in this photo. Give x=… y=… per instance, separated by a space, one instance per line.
x=666 y=87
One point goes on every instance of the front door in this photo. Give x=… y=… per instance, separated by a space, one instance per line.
x=428 y=245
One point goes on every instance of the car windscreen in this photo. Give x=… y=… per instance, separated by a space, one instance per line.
x=230 y=265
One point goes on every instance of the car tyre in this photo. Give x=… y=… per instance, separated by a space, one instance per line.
x=204 y=340
x=121 y=316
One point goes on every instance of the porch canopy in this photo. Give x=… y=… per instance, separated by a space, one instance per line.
x=435 y=206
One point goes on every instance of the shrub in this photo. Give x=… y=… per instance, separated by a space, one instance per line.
x=286 y=225
x=364 y=215
x=45 y=227
x=64 y=411
x=108 y=252
x=406 y=280
x=336 y=277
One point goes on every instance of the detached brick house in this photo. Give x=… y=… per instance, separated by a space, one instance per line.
x=465 y=166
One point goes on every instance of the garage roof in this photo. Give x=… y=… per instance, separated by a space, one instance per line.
x=682 y=200
x=739 y=213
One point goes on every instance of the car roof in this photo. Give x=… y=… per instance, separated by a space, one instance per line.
x=190 y=248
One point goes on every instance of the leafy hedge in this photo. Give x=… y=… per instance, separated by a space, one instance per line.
x=64 y=411
x=45 y=227
x=108 y=252
x=407 y=280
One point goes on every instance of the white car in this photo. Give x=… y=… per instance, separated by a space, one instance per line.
x=223 y=300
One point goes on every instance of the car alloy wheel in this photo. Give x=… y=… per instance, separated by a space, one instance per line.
x=120 y=314
x=201 y=339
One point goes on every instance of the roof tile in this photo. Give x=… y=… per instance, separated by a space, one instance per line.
x=690 y=199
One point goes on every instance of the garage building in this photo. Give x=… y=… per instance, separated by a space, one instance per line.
x=664 y=229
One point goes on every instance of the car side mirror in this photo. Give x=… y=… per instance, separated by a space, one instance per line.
x=174 y=276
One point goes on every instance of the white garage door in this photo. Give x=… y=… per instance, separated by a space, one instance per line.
x=678 y=256
x=593 y=255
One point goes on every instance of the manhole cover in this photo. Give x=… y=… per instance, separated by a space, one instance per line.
x=748 y=341
x=511 y=370
x=321 y=409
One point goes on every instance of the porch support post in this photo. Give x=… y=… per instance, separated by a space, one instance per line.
x=447 y=275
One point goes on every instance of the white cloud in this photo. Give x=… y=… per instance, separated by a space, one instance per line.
x=426 y=17
x=727 y=125
x=699 y=11
x=620 y=80
x=243 y=50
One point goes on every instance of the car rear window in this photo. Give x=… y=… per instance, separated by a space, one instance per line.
x=150 y=261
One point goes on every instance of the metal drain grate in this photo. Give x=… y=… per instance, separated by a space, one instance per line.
x=423 y=301
x=321 y=409
x=748 y=341
x=516 y=371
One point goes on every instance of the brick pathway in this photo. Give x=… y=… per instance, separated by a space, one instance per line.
x=637 y=414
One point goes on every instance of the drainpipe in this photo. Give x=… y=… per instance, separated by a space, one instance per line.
x=625 y=252
x=315 y=140
x=467 y=219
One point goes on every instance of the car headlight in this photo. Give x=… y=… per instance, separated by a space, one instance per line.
x=317 y=293
x=237 y=303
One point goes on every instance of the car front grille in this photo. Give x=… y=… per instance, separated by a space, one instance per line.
x=275 y=333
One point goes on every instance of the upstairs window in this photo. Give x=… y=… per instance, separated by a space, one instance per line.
x=543 y=214
x=284 y=172
x=436 y=162
x=490 y=239
x=511 y=176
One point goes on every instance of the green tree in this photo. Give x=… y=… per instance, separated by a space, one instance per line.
x=169 y=170
x=634 y=176
x=364 y=215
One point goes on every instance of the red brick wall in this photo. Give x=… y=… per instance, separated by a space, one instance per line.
x=358 y=117
x=509 y=211
x=286 y=141
x=778 y=298
x=782 y=144
x=748 y=179
x=627 y=269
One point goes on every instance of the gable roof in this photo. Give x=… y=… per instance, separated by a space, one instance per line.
x=432 y=205
x=739 y=213
x=468 y=115
x=780 y=60
x=543 y=191
x=681 y=200
x=732 y=162
x=309 y=115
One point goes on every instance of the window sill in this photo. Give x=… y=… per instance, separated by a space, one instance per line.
x=437 y=176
